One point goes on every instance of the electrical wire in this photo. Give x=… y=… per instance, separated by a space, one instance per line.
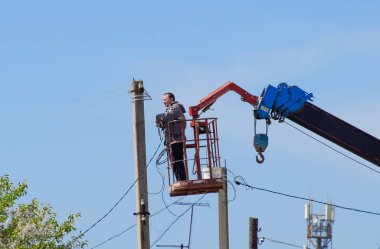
x=233 y=174
x=167 y=229
x=281 y=242
x=162 y=182
x=130 y=227
x=191 y=217
x=232 y=184
x=60 y=113
x=162 y=195
x=337 y=151
x=118 y=202
x=68 y=111
x=173 y=246
x=191 y=226
x=114 y=237
x=233 y=187
x=160 y=162
x=114 y=206
x=171 y=212
x=243 y=183
x=61 y=103
x=165 y=208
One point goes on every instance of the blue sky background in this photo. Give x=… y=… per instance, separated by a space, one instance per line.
x=79 y=57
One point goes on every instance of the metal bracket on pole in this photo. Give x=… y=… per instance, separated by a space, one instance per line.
x=143 y=214
x=175 y=246
x=138 y=87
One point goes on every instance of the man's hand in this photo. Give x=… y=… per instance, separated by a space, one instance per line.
x=160 y=125
x=159 y=122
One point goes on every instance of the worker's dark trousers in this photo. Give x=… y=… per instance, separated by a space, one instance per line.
x=176 y=153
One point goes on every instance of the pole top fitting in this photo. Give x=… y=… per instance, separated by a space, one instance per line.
x=137 y=85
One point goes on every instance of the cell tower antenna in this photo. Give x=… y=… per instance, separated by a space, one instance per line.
x=319 y=227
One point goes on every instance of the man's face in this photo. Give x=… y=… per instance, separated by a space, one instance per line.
x=167 y=100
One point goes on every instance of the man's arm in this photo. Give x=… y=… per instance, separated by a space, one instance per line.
x=172 y=113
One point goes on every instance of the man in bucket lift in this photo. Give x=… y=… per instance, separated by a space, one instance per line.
x=174 y=122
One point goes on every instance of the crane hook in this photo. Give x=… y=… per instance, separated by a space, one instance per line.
x=260 y=140
x=260 y=158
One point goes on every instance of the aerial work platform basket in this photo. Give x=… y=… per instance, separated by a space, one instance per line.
x=201 y=159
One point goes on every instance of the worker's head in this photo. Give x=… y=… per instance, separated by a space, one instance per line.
x=168 y=98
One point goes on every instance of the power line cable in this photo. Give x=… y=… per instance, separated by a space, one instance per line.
x=341 y=153
x=114 y=206
x=198 y=204
x=162 y=153
x=193 y=204
x=162 y=182
x=233 y=187
x=121 y=198
x=173 y=246
x=129 y=228
x=165 y=208
x=232 y=184
x=191 y=226
x=114 y=237
x=124 y=231
x=60 y=103
x=60 y=113
x=243 y=183
x=163 y=200
x=160 y=161
x=233 y=174
x=281 y=242
x=161 y=191
x=167 y=229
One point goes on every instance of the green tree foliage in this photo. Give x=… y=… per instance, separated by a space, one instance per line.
x=32 y=225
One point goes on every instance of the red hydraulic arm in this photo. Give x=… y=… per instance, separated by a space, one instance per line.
x=207 y=101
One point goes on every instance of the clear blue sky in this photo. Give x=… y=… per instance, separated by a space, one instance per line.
x=79 y=57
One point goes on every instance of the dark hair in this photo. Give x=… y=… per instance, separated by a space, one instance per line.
x=171 y=95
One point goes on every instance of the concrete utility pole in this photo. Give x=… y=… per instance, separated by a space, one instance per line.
x=253 y=230
x=223 y=213
x=142 y=214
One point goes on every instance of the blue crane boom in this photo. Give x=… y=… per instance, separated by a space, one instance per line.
x=274 y=103
x=338 y=131
x=293 y=103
